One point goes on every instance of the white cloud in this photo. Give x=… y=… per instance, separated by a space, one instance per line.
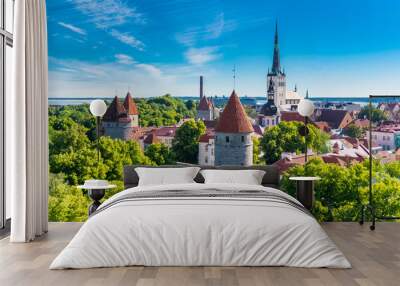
x=75 y=78
x=72 y=78
x=128 y=39
x=200 y=56
x=150 y=69
x=211 y=31
x=187 y=38
x=108 y=13
x=215 y=29
x=73 y=28
x=124 y=59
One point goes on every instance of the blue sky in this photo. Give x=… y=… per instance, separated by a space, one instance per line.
x=152 y=47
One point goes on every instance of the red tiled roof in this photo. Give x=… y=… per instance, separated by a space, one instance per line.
x=210 y=124
x=151 y=138
x=341 y=160
x=291 y=116
x=362 y=123
x=352 y=141
x=286 y=163
x=115 y=111
x=234 y=118
x=138 y=132
x=322 y=125
x=336 y=118
x=205 y=138
x=130 y=105
x=258 y=129
x=204 y=104
x=166 y=131
x=383 y=154
x=388 y=106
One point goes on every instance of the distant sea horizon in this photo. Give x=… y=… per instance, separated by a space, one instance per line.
x=220 y=99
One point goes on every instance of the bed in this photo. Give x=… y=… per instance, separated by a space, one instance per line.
x=198 y=224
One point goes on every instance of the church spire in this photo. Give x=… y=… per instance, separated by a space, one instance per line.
x=276 y=66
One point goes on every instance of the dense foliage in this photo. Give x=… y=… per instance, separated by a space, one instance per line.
x=73 y=159
x=284 y=137
x=256 y=151
x=68 y=203
x=251 y=111
x=160 y=154
x=353 y=131
x=342 y=190
x=73 y=152
x=186 y=142
x=164 y=110
x=73 y=155
x=377 y=114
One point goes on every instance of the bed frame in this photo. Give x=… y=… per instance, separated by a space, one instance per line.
x=270 y=179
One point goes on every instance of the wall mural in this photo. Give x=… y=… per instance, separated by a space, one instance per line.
x=204 y=82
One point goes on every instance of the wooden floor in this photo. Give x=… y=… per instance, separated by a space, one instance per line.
x=375 y=257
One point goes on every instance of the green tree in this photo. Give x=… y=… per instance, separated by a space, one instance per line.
x=353 y=131
x=160 y=154
x=285 y=137
x=186 y=142
x=342 y=190
x=74 y=155
x=164 y=110
x=66 y=203
x=78 y=165
x=377 y=114
x=256 y=151
x=66 y=135
x=251 y=112
x=117 y=153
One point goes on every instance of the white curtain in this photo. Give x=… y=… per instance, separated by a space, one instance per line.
x=26 y=124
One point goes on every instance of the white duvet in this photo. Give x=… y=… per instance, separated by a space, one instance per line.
x=202 y=232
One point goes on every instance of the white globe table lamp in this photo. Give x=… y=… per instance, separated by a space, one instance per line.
x=306 y=109
x=98 y=108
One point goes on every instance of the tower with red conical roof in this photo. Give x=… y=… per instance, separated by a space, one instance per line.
x=206 y=110
x=233 y=142
x=131 y=110
x=121 y=118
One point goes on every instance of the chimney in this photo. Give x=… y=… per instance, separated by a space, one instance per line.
x=201 y=87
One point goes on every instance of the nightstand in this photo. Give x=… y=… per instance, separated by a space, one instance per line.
x=305 y=190
x=96 y=193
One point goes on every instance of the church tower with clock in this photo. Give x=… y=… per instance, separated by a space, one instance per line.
x=276 y=75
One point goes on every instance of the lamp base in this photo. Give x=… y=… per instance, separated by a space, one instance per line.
x=374 y=217
x=96 y=195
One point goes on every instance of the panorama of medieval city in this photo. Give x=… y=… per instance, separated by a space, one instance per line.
x=233 y=123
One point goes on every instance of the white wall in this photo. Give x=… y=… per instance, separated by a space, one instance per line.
x=207 y=153
x=384 y=139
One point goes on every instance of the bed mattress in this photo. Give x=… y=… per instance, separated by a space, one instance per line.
x=201 y=225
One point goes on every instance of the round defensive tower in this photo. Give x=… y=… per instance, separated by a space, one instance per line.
x=233 y=142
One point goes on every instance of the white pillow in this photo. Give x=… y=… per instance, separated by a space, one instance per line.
x=248 y=177
x=166 y=176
